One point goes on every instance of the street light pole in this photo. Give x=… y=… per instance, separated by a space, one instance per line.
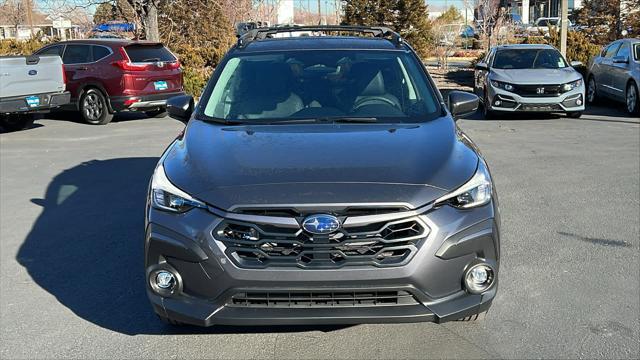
x=564 y=24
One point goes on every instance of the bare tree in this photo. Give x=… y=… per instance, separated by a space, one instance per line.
x=445 y=35
x=15 y=12
x=147 y=12
x=487 y=17
x=237 y=10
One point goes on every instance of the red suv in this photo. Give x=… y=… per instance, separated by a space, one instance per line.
x=105 y=76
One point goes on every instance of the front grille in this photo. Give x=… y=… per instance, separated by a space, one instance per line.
x=321 y=299
x=540 y=107
x=538 y=90
x=379 y=243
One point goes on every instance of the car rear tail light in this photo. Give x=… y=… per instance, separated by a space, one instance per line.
x=173 y=65
x=64 y=75
x=126 y=64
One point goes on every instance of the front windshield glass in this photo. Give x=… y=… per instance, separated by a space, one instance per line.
x=335 y=84
x=529 y=59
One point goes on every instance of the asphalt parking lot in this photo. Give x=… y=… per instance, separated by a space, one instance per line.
x=71 y=268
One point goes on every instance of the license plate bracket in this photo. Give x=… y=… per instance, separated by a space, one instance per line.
x=160 y=85
x=32 y=101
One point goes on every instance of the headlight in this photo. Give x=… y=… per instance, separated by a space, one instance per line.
x=502 y=85
x=166 y=196
x=476 y=192
x=572 y=85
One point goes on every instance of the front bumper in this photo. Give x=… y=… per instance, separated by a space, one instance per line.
x=571 y=101
x=141 y=102
x=46 y=102
x=210 y=279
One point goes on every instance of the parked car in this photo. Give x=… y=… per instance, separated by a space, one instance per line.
x=106 y=76
x=542 y=25
x=528 y=78
x=29 y=85
x=615 y=74
x=468 y=32
x=321 y=179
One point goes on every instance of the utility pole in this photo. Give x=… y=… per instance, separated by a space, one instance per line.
x=564 y=24
x=319 y=12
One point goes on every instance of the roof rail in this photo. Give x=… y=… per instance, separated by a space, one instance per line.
x=376 y=31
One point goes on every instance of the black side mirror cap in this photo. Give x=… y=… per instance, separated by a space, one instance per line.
x=482 y=66
x=462 y=103
x=180 y=107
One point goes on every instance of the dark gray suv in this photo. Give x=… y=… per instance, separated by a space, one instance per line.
x=321 y=179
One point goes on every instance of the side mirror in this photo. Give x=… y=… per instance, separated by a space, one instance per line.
x=462 y=103
x=180 y=107
x=482 y=66
x=620 y=60
x=576 y=64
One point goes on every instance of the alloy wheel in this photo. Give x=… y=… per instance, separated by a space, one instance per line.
x=93 y=107
x=632 y=98
x=591 y=90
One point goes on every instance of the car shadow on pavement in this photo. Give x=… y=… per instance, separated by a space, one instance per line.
x=86 y=248
x=74 y=116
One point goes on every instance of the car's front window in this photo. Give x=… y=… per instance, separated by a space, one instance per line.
x=322 y=85
x=529 y=59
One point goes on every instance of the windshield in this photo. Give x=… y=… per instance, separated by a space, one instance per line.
x=529 y=59
x=334 y=84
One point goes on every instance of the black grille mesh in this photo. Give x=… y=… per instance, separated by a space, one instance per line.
x=321 y=299
x=380 y=244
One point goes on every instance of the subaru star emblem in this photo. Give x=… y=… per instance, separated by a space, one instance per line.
x=321 y=224
x=33 y=72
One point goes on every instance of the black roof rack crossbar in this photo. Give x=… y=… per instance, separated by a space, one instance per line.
x=263 y=33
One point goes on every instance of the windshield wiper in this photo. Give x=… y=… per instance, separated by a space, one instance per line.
x=296 y=121
x=353 y=119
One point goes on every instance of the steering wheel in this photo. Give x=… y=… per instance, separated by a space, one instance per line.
x=369 y=99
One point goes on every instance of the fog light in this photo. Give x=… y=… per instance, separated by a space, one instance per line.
x=165 y=280
x=497 y=103
x=478 y=278
x=579 y=102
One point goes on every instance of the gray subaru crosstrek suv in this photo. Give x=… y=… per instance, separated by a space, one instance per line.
x=321 y=180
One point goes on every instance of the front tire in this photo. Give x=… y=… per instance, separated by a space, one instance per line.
x=169 y=321
x=631 y=97
x=592 y=91
x=94 y=108
x=486 y=111
x=159 y=113
x=17 y=122
x=574 y=114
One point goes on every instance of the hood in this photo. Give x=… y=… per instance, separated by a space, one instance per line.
x=228 y=166
x=535 y=76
